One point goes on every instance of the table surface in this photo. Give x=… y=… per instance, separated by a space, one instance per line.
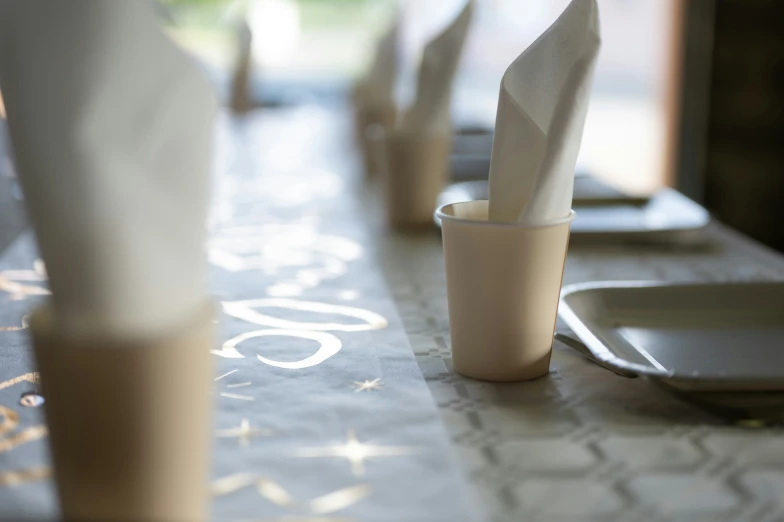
x=321 y=412
x=580 y=444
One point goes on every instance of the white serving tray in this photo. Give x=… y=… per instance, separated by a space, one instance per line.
x=604 y=217
x=693 y=337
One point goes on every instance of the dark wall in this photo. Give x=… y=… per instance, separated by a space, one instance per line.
x=744 y=167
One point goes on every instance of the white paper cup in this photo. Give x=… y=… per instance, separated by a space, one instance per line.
x=369 y=118
x=415 y=172
x=503 y=285
x=129 y=421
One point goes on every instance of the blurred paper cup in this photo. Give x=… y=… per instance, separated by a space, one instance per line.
x=129 y=421
x=369 y=120
x=415 y=172
x=503 y=284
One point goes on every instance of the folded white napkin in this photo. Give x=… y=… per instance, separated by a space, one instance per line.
x=377 y=87
x=540 y=119
x=240 y=98
x=431 y=109
x=112 y=129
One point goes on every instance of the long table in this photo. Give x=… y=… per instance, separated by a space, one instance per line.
x=322 y=412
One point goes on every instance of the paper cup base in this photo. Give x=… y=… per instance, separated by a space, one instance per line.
x=503 y=287
x=527 y=372
x=129 y=422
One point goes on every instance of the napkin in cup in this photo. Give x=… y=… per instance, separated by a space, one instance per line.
x=431 y=108
x=377 y=87
x=112 y=130
x=540 y=119
x=240 y=99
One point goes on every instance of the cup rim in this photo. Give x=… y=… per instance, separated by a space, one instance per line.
x=502 y=224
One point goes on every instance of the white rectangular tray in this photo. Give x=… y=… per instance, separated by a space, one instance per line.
x=697 y=337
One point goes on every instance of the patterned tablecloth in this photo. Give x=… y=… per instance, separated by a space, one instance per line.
x=584 y=444
x=321 y=411
x=292 y=253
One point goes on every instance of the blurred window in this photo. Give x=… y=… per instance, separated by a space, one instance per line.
x=316 y=44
